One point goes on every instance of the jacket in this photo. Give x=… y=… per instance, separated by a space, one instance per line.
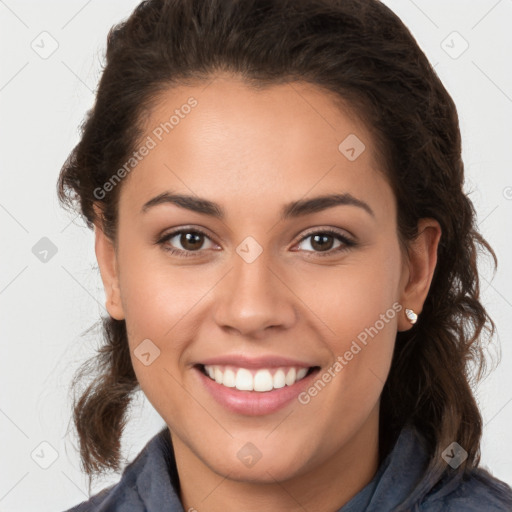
x=150 y=483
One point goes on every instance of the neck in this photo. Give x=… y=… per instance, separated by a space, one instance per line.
x=327 y=486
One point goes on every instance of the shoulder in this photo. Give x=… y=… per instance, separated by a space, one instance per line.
x=150 y=482
x=474 y=492
x=122 y=494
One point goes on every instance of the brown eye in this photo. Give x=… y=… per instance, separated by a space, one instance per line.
x=322 y=242
x=190 y=240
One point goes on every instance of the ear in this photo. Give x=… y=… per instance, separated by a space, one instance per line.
x=107 y=261
x=419 y=269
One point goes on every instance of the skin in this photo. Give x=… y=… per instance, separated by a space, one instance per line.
x=251 y=152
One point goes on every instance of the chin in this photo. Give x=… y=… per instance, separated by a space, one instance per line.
x=263 y=471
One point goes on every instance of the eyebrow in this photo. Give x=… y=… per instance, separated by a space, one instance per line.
x=290 y=210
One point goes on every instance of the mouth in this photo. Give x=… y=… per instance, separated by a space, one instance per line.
x=254 y=391
x=257 y=380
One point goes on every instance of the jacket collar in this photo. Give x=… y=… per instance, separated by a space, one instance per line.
x=157 y=480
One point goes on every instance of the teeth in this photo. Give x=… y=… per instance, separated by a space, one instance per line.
x=243 y=380
x=261 y=380
x=302 y=373
x=229 y=379
x=290 y=376
x=279 y=379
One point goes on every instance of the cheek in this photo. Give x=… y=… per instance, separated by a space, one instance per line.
x=359 y=304
x=366 y=301
x=353 y=296
x=156 y=293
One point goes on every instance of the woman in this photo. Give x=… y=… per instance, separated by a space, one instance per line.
x=289 y=260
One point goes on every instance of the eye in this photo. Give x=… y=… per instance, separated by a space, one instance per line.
x=322 y=242
x=190 y=239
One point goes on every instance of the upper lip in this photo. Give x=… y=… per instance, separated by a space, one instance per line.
x=269 y=361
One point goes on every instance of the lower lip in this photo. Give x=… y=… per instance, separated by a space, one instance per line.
x=254 y=403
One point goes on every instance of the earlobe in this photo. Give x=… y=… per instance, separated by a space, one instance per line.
x=421 y=265
x=107 y=262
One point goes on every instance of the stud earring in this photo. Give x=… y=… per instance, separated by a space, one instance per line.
x=411 y=315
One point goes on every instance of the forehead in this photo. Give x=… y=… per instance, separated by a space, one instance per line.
x=245 y=147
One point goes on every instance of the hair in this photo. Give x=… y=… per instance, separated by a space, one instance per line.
x=360 y=51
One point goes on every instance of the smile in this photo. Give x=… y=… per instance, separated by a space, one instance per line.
x=259 y=380
x=255 y=391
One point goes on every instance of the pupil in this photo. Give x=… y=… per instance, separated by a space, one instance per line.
x=191 y=240
x=321 y=245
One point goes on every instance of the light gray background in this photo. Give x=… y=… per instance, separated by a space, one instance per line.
x=45 y=307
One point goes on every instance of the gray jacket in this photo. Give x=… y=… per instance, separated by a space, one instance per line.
x=150 y=483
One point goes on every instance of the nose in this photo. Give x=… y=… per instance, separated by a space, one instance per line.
x=254 y=297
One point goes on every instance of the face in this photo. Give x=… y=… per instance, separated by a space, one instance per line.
x=265 y=290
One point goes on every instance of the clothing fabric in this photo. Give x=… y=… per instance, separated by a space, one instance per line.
x=151 y=484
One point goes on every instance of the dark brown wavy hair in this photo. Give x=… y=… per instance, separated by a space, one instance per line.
x=361 y=51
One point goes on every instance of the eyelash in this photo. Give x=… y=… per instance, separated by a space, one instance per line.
x=348 y=243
